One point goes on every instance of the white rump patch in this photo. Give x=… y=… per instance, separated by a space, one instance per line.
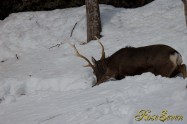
x=176 y=59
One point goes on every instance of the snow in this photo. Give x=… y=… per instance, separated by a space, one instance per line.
x=47 y=84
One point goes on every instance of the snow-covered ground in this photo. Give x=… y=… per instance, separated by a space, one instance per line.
x=43 y=83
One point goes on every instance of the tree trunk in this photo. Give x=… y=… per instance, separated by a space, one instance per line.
x=93 y=19
x=185 y=9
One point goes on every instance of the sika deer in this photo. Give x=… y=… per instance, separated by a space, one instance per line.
x=158 y=59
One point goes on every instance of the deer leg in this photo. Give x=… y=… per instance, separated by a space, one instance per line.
x=165 y=70
x=182 y=69
x=119 y=77
x=174 y=74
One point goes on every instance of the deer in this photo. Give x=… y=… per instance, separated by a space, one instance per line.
x=158 y=59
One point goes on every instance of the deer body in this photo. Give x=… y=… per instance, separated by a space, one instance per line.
x=158 y=59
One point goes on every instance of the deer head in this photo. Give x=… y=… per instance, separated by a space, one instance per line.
x=99 y=66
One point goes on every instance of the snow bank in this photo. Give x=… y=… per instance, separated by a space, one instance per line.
x=47 y=83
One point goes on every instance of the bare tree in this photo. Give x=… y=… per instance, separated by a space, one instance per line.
x=185 y=9
x=93 y=19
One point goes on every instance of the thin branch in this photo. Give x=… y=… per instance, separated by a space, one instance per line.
x=57 y=45
x=73 y=29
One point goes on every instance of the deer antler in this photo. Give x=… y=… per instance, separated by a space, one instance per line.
x=103 y=51
x=81 y=56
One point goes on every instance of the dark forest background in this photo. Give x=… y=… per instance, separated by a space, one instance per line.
x=13 y=6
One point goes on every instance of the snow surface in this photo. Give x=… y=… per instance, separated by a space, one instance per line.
x=47 y=84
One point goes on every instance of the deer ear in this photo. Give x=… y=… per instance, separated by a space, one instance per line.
x=94 y=61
